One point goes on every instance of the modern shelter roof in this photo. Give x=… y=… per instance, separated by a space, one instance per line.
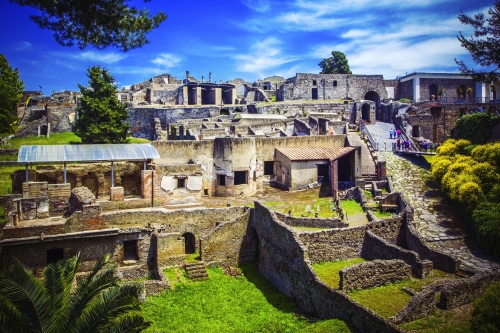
x=259 y=116
x=315 y=153
x=86 y=153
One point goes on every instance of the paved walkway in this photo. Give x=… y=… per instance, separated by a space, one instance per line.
x=366 y=157
x=380 y=133
x=434 y=217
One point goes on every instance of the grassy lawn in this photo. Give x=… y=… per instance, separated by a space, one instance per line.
x=322 y=206
x=382 y=215
x=452 y=321
x=248 y=303
x=328 y=272
x=390 y=299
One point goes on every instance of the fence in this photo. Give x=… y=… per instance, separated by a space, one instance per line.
x=345 y=185
x=364 y=131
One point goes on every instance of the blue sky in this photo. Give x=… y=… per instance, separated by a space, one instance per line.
x=252 y=39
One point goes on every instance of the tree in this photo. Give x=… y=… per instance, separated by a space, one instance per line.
x=101 y=116
x=11 y=91
x=98 y=303
x=100 y=23
x=484 y=46
x=336 y=64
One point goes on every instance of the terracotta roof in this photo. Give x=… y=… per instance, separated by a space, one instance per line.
x=315 y=153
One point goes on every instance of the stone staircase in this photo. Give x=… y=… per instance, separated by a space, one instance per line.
x=196 y=271
x=369 y=178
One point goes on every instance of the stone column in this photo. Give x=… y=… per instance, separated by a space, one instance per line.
x=185 y=97
x=147 y=184
x=381 y=170
x=218 y=96
x=416 y=89
x=198 y=95
x=334 y=171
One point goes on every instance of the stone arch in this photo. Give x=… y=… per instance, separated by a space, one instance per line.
x=189 y=243
x=433 y=90
x=365 y=112
x=372 y=96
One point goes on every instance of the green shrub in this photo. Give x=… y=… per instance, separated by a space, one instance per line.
x=440 y=167
x=469 y=193
x=405 y=100
x=487 y=226
x=476 y=127
x=485 y=317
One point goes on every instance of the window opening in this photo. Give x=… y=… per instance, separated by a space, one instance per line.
x=130 y=250
x=240 y=177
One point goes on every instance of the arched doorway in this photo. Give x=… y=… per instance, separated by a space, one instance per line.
x=189 y=243
x=372 y=96
x=365 y=112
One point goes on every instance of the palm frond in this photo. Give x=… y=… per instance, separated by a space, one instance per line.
x=58 y=281
x=128 y=323
x=28 y=294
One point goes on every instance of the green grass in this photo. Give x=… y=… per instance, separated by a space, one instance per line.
x=248 y=303
x=55 y=139
x=390 y=299
x=5 y=180
x=328 y=272
x=451 y=321
x=322 y=206
x=351 y=207
x=194 y=257
x=382 y=215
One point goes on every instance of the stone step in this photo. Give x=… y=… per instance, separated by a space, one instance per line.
x=196 y=271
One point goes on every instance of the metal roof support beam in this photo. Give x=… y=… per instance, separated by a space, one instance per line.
x=64 y=173
x=27 y=179
x=112 y=174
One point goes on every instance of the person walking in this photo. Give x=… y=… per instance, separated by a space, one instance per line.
x=390 y=133
x=398 y=132
x=398 y=144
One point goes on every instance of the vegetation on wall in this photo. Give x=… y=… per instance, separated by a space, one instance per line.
x=470 y=175
x=477 y=127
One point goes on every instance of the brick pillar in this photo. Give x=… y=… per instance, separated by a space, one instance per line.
x=381 y=170
x=218 y=96
x=147 y=184
x=334 y=171
x=117 y=193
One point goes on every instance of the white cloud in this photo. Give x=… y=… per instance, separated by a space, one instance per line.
x=260 y=6
x=104 y=57
x=167 y=60
x=264 y=55
x=23 y=46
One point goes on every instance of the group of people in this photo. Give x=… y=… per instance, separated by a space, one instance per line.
x=393 y=134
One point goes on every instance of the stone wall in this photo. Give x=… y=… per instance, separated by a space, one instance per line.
x=311 y=222
x=375 y=247
x=284 y=260
x=331 y=86
x=334 y=244
x=374 y=273
x=230 y=243
x=61 y=117
x=465 y=291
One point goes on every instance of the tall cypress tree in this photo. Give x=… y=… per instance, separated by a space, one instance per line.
x=101 y=116
x=11 y=91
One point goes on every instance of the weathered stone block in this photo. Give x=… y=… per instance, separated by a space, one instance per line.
x=117 y=193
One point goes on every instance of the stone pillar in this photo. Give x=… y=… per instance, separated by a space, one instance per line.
x=218 y=96
x=233 y=96
x=198 y=95
x=210 y=77
x=116 y=193
x=381 y=170
x=181 y=132
x=185 y=97
x=416 y=89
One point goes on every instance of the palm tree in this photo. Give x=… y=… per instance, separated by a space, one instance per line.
x=56 y=304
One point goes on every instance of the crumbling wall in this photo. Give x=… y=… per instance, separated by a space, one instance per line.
x=312 y=222
x=283 y=259
x=231 y=243
x=374 y=273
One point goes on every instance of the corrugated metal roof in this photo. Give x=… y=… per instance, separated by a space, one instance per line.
x=259 y=116
x=315 y=153
x=88 y=152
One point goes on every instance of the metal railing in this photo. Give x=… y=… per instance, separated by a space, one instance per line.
x=364 y=131
x=345 y=185
x=366 y=170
